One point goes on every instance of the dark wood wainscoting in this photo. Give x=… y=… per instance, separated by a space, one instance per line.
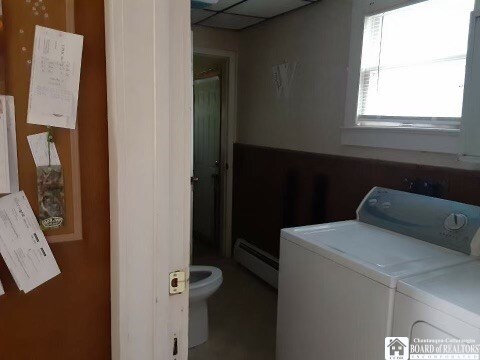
x=275 y=188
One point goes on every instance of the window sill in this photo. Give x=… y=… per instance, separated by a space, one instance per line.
x=429 y=140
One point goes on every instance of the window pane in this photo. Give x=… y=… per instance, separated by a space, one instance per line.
x=413 y=60
x=431 y=30
x=427 y=90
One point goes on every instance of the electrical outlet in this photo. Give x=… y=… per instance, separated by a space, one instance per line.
x=428 y=187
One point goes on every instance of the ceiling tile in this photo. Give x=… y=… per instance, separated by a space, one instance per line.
x=230 y=21
x=266 y=8
x=199 y=15
x=223 y=4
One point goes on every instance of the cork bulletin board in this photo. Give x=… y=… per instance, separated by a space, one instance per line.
x=19 y=20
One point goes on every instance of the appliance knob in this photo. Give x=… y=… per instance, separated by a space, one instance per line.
x=455 y=221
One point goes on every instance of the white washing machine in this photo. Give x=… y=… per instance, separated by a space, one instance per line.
x=440 y=308
x=337 y=281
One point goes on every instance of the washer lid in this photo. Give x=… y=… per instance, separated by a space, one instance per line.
x=380 y=254
x=454 y=290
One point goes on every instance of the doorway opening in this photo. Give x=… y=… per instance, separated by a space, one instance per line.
x=230 y=290
x=214 y=74
x=209 y=165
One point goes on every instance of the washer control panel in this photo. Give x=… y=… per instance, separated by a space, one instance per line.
x=445 y=223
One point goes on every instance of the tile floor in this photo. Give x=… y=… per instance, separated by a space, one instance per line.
x=242 y=315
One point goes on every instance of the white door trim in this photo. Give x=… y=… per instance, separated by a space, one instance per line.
x=149 y=124
x=231 y=56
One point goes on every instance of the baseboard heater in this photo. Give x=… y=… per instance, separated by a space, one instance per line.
x=262 y=264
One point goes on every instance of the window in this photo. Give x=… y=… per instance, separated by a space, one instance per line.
x=407 y=68
x=413 y=65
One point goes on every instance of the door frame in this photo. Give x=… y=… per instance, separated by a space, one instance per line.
x=229 y=134
x=148 y=54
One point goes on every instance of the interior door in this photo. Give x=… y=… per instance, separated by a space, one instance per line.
x=206 y=159
x=150 y=169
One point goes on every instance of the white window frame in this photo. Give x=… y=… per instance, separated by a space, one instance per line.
x=470 y=131
x=401 y=138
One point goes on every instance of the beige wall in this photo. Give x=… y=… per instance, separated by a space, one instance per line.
x=209 y=38
x=317 y=38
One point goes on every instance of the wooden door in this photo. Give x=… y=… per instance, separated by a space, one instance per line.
x=206 y=159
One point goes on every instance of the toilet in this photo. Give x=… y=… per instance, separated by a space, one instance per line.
x=204 y=281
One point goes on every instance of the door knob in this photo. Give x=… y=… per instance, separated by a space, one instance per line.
x=194 y=179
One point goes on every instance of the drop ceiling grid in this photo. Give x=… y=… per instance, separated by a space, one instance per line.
x=237 y=15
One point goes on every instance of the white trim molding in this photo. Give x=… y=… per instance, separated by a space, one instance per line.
x=431 y=140
x=149 y=123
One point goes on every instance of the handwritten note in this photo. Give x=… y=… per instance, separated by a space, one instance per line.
x=55 y=78
x=41 y=154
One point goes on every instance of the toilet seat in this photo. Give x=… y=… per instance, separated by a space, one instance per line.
x=214 y=277
x=204 y=281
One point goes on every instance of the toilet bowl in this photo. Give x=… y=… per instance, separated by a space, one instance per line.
x=204 y=281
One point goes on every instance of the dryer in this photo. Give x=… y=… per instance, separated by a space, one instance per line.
x=440 y=308
x=337 y=281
